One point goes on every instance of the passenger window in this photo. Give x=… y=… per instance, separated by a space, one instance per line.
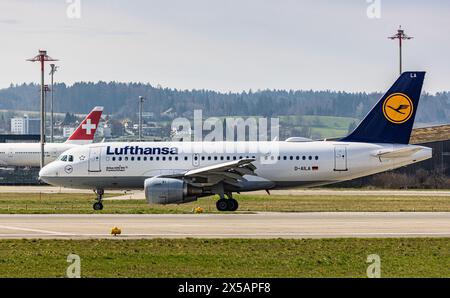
x=186 y=158
x=310 y=157
x=304 y=157
x=64 y=158
x=114 y=158
x=70 y=158
x=317 y=158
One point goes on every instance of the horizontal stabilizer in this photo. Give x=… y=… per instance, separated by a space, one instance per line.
x=403 y=152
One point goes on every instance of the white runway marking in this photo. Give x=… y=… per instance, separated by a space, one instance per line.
x=30 y=230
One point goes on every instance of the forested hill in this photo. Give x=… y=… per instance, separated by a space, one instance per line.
x=120 y=99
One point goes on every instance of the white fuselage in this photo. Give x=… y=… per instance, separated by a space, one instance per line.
x=109 y=165
x=29 y=154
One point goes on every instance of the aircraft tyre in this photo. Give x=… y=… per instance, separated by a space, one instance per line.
x=222 y=205
x=98 y=206
x=232 y=204
x=227 y=205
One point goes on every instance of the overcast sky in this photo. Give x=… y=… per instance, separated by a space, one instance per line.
x=227 y=45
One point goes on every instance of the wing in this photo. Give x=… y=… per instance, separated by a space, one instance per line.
x=229 y=173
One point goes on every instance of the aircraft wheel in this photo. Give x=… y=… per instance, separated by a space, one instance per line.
x=222 y=205
x=98 y=206
x=233 y=205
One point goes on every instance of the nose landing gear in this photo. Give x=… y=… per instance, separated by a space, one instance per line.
x=229 y=204
x=98 y=205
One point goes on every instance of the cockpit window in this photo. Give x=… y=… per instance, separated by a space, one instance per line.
x=68 y=158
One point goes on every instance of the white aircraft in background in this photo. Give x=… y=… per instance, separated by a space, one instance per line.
x=28 y=154
x=180 y=172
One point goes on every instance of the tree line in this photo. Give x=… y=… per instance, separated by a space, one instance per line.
x=121 y=101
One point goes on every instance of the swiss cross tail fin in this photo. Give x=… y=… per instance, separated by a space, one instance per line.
x=84 y=134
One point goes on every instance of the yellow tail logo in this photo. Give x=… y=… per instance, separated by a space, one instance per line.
x=398 y=108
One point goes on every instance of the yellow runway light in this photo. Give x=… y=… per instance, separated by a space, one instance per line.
x=116 y=231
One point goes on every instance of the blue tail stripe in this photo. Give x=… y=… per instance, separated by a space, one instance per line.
x=392 y=123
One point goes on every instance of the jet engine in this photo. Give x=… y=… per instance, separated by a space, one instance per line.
x=169 y=191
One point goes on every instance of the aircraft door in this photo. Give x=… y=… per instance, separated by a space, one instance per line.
x=340 y=158
x=94 y=159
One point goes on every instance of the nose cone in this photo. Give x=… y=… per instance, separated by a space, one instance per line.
x=46 y=173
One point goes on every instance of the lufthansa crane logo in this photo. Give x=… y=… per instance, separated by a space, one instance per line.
x=398 y=108
x=68 y=169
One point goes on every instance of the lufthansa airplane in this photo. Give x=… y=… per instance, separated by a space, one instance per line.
x=180 y=172
x=29 y=154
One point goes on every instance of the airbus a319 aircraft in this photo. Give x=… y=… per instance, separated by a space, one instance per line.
x=29 y=154
x=180 y=172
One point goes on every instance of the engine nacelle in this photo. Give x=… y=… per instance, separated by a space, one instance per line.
x=169 y=191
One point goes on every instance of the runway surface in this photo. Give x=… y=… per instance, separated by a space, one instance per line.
x=260 y=225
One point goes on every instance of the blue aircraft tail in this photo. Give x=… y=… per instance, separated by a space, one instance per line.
x=392 y=118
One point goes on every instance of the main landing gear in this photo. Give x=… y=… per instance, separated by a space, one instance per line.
x=98 y=205
x=229 y=204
